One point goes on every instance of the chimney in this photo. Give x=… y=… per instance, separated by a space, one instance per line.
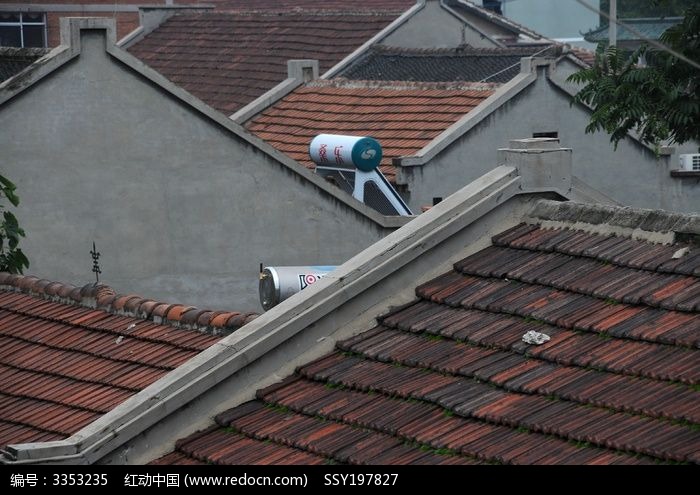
x=302 y=70
x=543 y=165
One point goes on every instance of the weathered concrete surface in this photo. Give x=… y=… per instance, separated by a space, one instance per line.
x=431 y=27
x=650 y=225
x=181 y=207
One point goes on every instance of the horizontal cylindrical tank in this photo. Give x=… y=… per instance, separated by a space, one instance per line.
x=278 y=283
x=365 y=153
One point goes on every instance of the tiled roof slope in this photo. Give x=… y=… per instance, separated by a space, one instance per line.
x=447 y=379
x=404 y=117
x=460 y=64
x=14 y=60
x=586 y=56
x=227 y=60
x=69 y=355
x=326 y=5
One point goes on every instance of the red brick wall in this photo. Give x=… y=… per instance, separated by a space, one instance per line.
x=126 y=22
x=90 y=2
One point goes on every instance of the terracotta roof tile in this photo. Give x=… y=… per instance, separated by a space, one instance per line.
x=448 y=379
x=404 y=117
x=312 y=5
x=228 y=59
x=65 y=362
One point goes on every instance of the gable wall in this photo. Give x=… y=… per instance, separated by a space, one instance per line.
x=431 y=27
x=631 y=175
x=181 y=209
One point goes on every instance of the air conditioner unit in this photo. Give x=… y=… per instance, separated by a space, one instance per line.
x=690 y=162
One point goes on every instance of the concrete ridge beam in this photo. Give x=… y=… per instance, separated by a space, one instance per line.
x=657 y=226
x=152 y=16
x=298 y=73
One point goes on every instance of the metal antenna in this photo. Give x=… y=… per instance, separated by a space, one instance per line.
x=95 y=263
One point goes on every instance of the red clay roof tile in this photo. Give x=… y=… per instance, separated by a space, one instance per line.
x=403 y=117
x=64 y=363
x=227 y=59
x=312 y=5
x=447 y=379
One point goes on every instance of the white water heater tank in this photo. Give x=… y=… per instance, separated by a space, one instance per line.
x=364 y=153
x=278 y=283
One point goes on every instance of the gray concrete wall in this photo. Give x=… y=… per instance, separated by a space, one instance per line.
x=485 y=26
x=431 y=27
x=478 y=38
x=631 y=175
x=180 y=208
x=566 y=67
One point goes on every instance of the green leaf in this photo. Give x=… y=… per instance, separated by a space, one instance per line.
x=12 y=259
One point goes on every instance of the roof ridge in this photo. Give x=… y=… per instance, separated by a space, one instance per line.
x=105 y=298
x=14 y=51
x=341 y=82
x=670 y=18
x=292 y=12
x=656 y=226
x=459 y=50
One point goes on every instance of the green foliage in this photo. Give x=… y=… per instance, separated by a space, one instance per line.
x=629 y=9
x=12 y=259
x=661 y=101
